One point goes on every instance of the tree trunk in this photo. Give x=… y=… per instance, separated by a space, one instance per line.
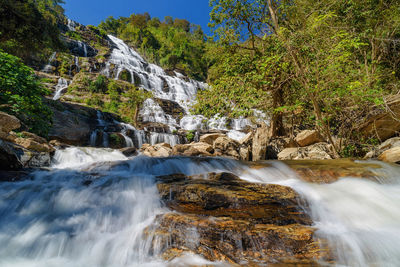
x=277 y=128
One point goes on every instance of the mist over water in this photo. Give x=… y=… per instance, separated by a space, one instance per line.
x=88 y=211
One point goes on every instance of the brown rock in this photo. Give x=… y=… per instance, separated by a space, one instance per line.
x=308 y=137
x=383 y=123
x=244 y=153
x=158 y=150
x=210 y=138
x=222 y=217
x=33 y=145
x=8 y=122
x=391 y=155
x=260 y=142
x=224 y=194
x=7 y=137
x=34 y=137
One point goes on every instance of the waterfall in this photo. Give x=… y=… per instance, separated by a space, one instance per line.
x=151 y=76
x=60 y=87
x=48 y=67
x=100 y=129
x=86 y=211
x=157 y=138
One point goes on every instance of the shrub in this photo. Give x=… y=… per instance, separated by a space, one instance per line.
x=22 y=93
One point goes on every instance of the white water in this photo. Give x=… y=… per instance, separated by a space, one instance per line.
x=61 y=86
x=49 y=67
x=56 y=220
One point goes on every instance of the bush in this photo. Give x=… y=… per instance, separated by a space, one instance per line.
x=99 y=85
x=22 y=93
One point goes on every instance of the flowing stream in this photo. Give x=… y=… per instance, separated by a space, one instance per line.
x=91 y=208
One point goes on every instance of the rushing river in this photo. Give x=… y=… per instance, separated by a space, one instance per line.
x=92 y=207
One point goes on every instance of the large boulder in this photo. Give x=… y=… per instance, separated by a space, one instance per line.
x=260 y=142
x=72 y=124
x=225 y=146
x=319 y=151
x=32 y=145
x=382 y=123
x=391 y=155
x=308 y=137
x=14 y=157
x=219 y=210
x=8 y=122
x=193 y=149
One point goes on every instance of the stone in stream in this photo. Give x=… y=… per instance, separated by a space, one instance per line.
x=222 y=217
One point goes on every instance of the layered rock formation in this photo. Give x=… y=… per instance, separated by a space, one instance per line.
x=224 y=218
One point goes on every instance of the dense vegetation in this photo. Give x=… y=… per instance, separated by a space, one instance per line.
x=21 y=94
x=28 y=28
x=173 y=43
x=321 y=61
x=108 y=95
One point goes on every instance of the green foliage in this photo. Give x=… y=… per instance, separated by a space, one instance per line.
x=21 y=94
x=99 y=85
x=28 y=27
x=190 y=136
x=329 y=61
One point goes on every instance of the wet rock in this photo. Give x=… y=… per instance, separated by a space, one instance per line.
x=129 y=151
x=15 y=157
x=308 y=137
x=210 y=138
x=158 y=150
x=317 y=151
x=260 y=142
x=224 y=194
x=222 y=217
x=236 y=241
x=8 y=122
x=391 y=155
x=72 y=124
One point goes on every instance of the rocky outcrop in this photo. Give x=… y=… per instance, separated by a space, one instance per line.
x=15 y=157
x=260 y=142
x=194 y=149
x=158 y=150
x=388 y=144
x=317 y=151
x=308 y=137
x=382 y=123
x=224 y=218
x=224 y=146
x=8 y=122
x=210 y=138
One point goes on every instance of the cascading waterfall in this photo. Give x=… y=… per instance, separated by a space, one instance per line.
x=86 y=212
x=60 y=87
x=101 y=129
x=48 y=67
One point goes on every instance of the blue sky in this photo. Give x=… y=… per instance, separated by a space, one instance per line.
x=94 y=11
